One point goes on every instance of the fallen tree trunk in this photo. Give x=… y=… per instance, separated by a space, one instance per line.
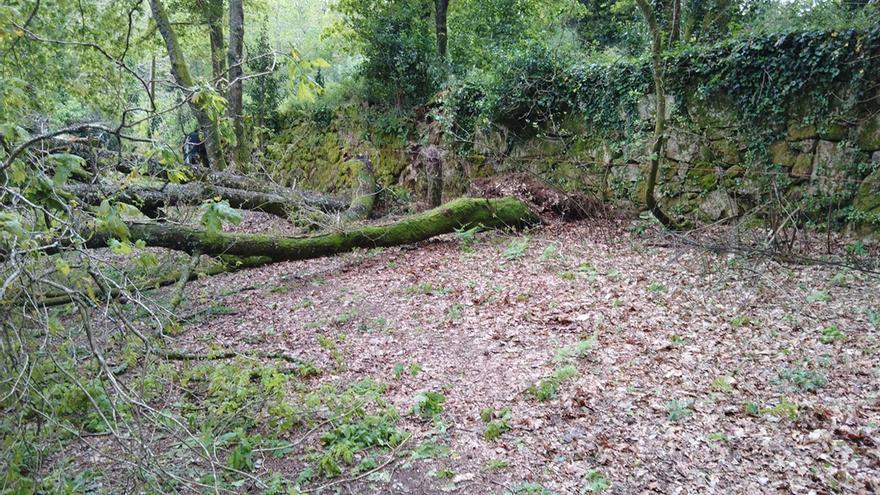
x=223 y=265
x=461 y=213
x=150 y=199
x=99 y=159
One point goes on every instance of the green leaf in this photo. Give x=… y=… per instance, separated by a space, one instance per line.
x=62 y=266
x=320 y=63
x=65 y=164
x=110 y=220
x=214 y=213
x=305 y=94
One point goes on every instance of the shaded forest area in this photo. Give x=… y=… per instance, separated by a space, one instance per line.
x=449 y=246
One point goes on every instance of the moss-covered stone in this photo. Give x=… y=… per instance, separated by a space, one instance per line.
x=803 y=166
x=702 y=176
x=726 y=150
x=868 y=134
x=798 y=131
x=718 y=204
x=832 y=132
x=867 y=197
x=781 y=154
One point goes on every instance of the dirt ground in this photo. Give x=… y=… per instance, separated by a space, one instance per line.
x=707 y=373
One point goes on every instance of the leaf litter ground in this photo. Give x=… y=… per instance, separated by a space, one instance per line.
x=695 y=372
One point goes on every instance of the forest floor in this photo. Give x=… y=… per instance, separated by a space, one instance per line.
x=605 y=359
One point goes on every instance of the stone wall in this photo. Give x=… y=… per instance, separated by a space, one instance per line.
x=709 y=171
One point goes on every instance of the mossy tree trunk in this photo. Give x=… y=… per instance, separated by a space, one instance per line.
x=659 y=112
x=236 y=73
x=180 y=71
x=433 y=159
x=461 y=213
x=441 y=9
x=149 y=200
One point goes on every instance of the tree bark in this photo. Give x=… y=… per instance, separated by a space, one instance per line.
x=434 y=173
x=363 y=195
x=214 y=17
x=236 y=49
x=659 y=113
x=441 y=9
x=675 y=23
x=181 y=74
x=151 y=199
x=461 y=213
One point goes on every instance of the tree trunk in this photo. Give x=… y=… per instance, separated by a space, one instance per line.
x=150 y=199
x=363 y=195
x=236 y=49
x=675 y=23
x=180 y=71
x=433 y=159
x=214 y=18
x=659 y=113
x=461 y=213
x=441 y=8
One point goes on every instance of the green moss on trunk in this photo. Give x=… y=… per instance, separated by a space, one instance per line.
x=461 y=213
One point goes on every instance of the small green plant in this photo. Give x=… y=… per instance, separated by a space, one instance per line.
x=818 y=296
x=549 y=387
x=785 y=410
x=741 y=321
x=495 y=465
x=801 y=379
x=454 y=312
x=551 y=252
x=656 y=287
x=874 y=318
x=530 y=488
x=677 y=340
x=577 y=350
x=723 y=384
x=398 y=371
x=427 y=289
x=307 y=369
x=831 y=334
x=567 y=275
x=857 y=248
x=676 y=410
x=595 y=482
x=345 y=317
x=752 y=409
x=359 y=433
x=444 y=473
x=415 y=369
x=718 y=437
x=428 y=404
x=241 y=457
x=326 y=342
x=430 y=450
x=467 y=238
x=497 y=422
x=516 y=248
